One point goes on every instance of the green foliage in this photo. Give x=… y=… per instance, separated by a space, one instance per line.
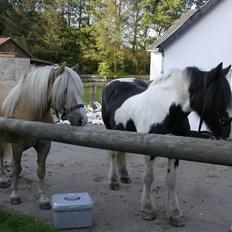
x=105 y=69
x=159 y=15
x=167 y=12
x=105 y=36
x=18 y=223
x=87 y=95
x=70 y=46
x=4 y=6
x=198 y=3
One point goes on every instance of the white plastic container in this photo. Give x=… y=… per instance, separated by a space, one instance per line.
x=72 y=210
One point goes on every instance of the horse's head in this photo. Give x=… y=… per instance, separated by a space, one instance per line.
x=66 y=95
x=216 y=102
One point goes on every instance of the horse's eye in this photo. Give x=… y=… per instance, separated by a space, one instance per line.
x=222 y=120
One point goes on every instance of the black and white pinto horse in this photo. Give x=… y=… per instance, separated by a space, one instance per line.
x=163 y=108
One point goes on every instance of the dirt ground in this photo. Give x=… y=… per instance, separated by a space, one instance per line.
x=204 y=191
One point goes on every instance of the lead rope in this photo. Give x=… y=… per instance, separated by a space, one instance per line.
x=58 y=116
x=203 y=107
x=200 y=125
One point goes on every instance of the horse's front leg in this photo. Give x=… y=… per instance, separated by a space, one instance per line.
x=122 y=166
x=42 y=148
x=174 y=213
x=17 y=168
x=4 y=182
x=113 y=171
x=148 y=208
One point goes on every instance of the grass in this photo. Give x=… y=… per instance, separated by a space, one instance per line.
x=87 y=95
x=19 y=223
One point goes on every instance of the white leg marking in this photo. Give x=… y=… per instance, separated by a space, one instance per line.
x=17 y=168
x=113 y=172
x=174 y=213
x=3 y=176
x=42 y=149
x=148 y=209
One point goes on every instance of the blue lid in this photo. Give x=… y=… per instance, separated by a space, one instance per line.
x=71 y=201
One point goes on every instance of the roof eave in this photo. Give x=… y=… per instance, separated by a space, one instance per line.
x=156 y=50
x=8 y=38
x=22 y=48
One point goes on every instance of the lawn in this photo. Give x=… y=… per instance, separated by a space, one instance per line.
x=19 y=223
x=87 y=95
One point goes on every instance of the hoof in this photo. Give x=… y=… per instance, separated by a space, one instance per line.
x=149 y=215
x=177 y=221
x=15 y=201
x=126 y=180
x=44 y=205
x=114 y=186
x=4 y=184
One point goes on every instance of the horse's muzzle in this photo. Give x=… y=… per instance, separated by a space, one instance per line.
x=83 y=121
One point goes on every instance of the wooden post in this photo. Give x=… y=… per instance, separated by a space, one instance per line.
x=183 y=148
x=93 y=94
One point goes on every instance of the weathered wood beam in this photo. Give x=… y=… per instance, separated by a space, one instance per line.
x=191 y=149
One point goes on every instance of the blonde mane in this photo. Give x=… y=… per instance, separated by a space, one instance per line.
x=32 y=91
x=67 y=89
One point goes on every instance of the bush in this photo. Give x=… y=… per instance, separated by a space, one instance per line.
x=104 y=69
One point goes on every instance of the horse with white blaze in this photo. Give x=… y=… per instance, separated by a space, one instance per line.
x=163 y=108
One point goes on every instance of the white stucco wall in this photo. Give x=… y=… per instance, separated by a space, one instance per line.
x=205 y=44
x=13 y=68
x=156 y=64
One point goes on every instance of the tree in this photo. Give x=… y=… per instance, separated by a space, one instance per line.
x=4 y=6
x=19 y=22
x=194 y=3
x=159 y=15
x=107 y=33
x=53 y=27
x=116 y=31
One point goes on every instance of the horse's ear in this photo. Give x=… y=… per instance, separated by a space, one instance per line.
x=219 y=67
x=76 y=67
x=216 y=72
x=226 y=70
x=60 y=69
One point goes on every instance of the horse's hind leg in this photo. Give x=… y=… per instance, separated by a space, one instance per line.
x=148 y=208
x=113 y=172
x=42 y=148
x=17 y=168
x=4 y=183
x=122 y=166
x=174 y=213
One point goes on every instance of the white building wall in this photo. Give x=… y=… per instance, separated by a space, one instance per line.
x=156 y=64
x=206 y=43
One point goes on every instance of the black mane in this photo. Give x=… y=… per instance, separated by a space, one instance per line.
x=210 y=96
x=216 y=92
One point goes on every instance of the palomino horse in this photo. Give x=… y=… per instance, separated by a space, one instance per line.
x=163 y=107
x=39 y=91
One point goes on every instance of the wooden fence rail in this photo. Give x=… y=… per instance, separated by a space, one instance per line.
x=191 y=149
